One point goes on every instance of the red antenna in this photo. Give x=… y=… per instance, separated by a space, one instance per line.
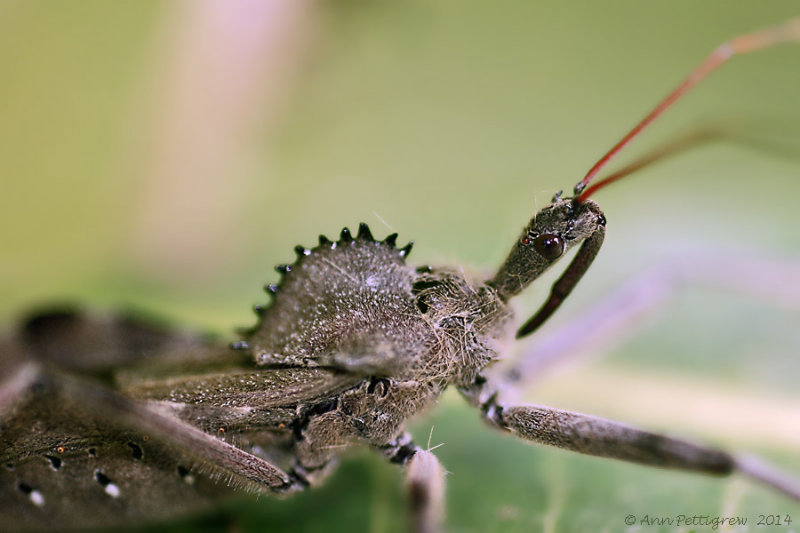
x=743 y=44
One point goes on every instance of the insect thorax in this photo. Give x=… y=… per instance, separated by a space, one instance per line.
x=356 y=305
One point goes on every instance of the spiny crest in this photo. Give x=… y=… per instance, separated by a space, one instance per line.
x=364 y=235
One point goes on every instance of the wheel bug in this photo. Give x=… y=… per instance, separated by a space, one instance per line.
x=338 y=360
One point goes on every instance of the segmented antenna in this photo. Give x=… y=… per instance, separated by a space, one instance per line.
x=750 y=42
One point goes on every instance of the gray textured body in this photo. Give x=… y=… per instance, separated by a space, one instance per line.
x=354 y=342
x=112 y=421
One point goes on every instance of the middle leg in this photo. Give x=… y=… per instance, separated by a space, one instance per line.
x=424 y=483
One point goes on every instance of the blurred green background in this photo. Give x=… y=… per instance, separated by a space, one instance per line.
x=164 y=155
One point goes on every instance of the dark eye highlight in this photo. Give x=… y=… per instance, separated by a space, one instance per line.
x=549 y=246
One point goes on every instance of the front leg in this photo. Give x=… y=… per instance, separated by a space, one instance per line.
x=605 y=438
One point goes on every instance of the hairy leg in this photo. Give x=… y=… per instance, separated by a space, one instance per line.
x=424 y=483
x=605 y=438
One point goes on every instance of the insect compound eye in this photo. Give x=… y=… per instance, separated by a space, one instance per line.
x=549 y=246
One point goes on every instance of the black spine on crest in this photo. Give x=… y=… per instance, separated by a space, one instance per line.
x=271 y=288
x=345 y=235
x=364 y=232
